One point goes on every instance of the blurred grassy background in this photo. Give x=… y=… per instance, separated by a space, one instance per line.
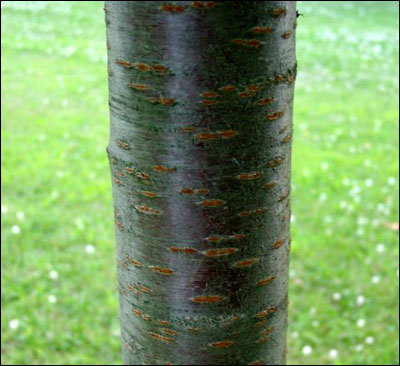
x=58 y=273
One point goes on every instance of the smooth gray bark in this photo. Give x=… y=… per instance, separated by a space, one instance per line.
x=201 y=97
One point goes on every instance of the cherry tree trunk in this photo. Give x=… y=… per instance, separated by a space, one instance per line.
x=201 y=97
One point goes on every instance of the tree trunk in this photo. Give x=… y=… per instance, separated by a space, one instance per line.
x=201 y=97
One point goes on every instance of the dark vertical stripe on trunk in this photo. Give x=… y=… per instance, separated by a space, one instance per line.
x=201 y=97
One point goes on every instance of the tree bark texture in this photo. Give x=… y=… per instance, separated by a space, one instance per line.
x=201 y=97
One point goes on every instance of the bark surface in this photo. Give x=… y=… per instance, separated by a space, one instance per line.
x=201 y=97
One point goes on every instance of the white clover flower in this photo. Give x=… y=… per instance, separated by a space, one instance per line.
x=369 y=182
x=4 y=209
x=90 y=249
x=14 y=324
x=307 y=350
x=53 y=275
x=52 y=299
x=360 y=300
x=15 y=229
x=369 y=340
x=333 y=354
x=361 y=323
x=323 y=197
x=324 y=165
x=375 y=279
x=359 y=347
x=380 y=248
x=337 y=296
x=20 y=216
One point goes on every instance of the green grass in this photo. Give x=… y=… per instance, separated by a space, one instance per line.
x=55 y=172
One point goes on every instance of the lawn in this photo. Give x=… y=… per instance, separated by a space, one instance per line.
x=58 y=273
